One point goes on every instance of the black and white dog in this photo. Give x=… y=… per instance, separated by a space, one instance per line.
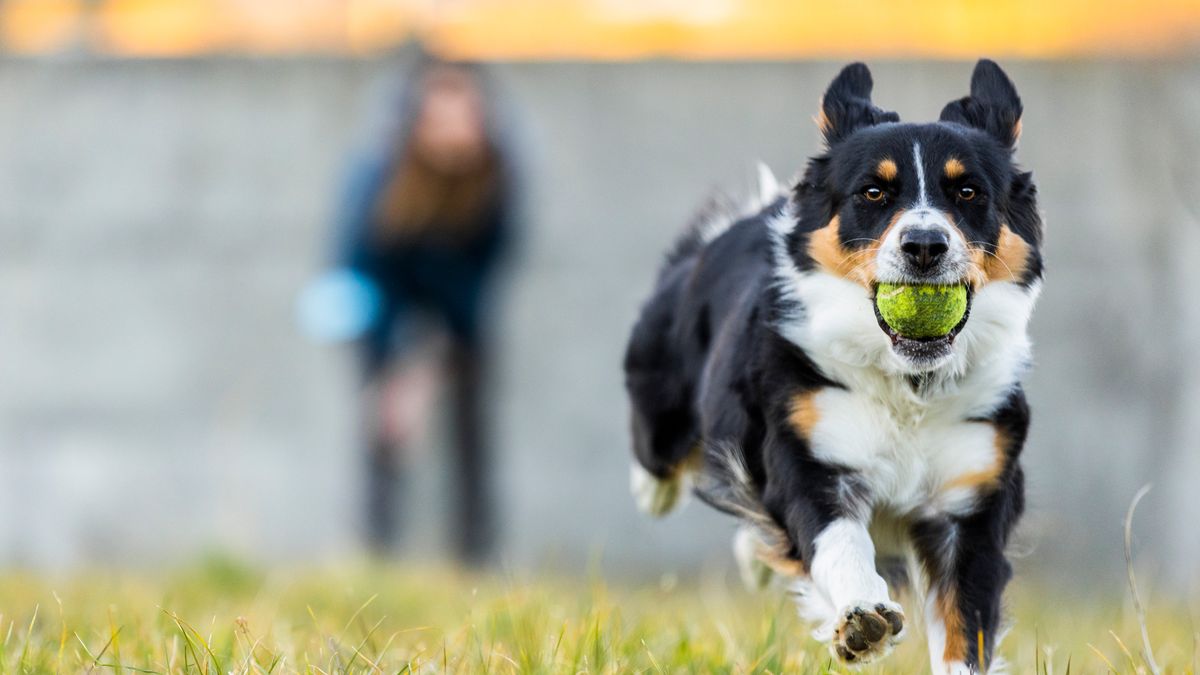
x=761 y=376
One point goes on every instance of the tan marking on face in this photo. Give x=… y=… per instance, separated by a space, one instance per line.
x=986 y=477
x=952 y=619
x=954 y=168
x=857 y=264
x=803 y=415
x=825 y=248
x=1008 y=263
x=887 y=169
x=1017 y=132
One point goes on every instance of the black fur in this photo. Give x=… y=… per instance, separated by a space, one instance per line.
x=993 y=105
x=847 y=104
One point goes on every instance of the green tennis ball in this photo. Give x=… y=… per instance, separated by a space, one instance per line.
x=921 y=312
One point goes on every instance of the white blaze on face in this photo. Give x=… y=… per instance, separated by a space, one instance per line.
x=890 y=266
x=922 y=192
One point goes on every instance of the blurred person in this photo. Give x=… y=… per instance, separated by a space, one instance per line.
x=423 y=223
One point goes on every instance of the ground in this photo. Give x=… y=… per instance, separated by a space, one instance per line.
x=221 y=617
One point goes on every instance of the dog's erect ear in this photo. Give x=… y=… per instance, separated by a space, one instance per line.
x=992 y=106
x=847 y=105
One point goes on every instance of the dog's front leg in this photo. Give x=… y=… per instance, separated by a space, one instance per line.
x=865 y=623
x=824 y=514
x=963 y=559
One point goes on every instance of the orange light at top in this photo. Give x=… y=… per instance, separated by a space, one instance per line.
x=609 y=29
x=33 y=26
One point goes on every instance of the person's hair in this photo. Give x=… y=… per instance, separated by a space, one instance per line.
x=422 y=201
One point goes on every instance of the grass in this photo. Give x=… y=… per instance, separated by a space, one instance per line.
x=224 y=618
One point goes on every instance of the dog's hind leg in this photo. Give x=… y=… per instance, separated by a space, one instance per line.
x=666 y=442
x=747 y=551
x=656 y=496
x=659 y=481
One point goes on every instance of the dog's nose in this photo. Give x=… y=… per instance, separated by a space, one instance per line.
x=924 y=247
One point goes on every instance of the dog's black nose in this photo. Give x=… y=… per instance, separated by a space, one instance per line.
x=924 y=247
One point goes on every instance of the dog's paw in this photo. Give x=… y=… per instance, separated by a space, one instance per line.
x=654 y=496
x=867 y=632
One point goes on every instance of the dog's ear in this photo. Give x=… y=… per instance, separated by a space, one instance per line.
x=993 y=105
x=846 y=105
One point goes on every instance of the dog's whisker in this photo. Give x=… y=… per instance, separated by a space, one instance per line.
x=859 y=267
x=854 y=254
x=861 y=253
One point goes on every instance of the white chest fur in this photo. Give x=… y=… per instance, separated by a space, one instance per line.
x=914 y=459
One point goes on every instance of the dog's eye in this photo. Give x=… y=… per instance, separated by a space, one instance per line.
x=872 y=193
x=967 y=193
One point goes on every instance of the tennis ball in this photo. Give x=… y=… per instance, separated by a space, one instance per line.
x=921 y=311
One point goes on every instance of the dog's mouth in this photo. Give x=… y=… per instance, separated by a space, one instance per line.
x=923 y=349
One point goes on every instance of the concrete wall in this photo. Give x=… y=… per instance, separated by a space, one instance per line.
x=157 y=219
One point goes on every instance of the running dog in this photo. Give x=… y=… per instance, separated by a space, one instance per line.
x=763 y=378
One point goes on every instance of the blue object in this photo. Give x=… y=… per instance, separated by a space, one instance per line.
x=338 y=306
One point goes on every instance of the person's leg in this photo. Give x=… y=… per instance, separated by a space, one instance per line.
x=382 y=433
x=396 y=405
x=382 y=468
x=383 y=473
x=473 y=517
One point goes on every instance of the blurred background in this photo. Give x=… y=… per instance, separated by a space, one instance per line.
x=170 y=171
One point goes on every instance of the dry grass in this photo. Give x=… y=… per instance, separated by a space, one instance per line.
x=223 y=618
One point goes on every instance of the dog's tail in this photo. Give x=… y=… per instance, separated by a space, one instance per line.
x=726 y=485
x=719 y=213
